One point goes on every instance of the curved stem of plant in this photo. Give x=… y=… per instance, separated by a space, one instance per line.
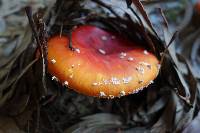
x=70 y=42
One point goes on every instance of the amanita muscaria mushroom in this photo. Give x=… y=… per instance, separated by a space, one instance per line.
x=103 y=64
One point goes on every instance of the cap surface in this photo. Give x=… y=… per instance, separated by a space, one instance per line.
x=103 y=63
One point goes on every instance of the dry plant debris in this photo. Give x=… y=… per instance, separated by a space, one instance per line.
x=54 y=108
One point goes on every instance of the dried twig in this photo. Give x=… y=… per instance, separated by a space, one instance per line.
x=33 y=27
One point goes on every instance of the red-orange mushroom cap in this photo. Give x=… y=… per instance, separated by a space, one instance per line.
x=103 y=64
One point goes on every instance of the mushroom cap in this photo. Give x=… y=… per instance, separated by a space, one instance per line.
x=103 y=64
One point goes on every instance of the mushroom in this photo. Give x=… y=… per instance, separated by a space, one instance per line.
x=106 y=64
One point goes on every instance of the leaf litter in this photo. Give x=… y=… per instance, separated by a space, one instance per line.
x=168 y=105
